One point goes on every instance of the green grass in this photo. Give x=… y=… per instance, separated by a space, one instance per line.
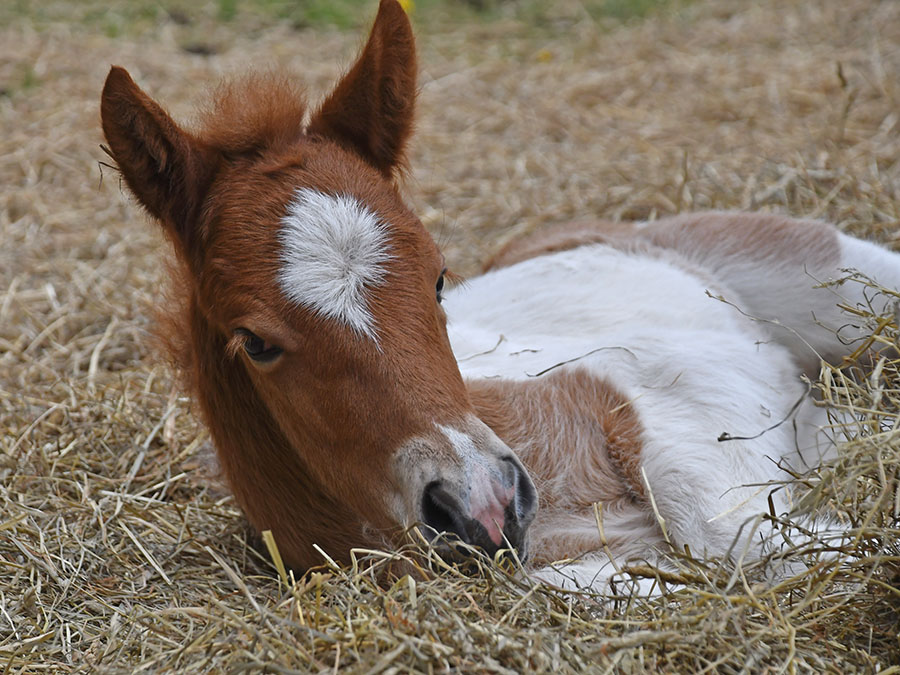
x=625 y=10
x=227 y=9
x=342 y=14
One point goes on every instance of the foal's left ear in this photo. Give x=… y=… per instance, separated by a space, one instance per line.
x=371 y=109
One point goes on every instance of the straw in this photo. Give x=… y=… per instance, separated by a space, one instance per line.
x=122 y=551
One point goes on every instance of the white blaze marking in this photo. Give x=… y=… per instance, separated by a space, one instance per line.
x=333 y=250
x=463 y=445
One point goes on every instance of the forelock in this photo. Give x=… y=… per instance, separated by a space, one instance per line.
x=253 y=113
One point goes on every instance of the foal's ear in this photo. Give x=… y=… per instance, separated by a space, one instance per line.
x=167 y=169
x=371 y=109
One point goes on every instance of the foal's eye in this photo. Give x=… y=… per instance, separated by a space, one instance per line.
x=258 y=349
x=440 y=285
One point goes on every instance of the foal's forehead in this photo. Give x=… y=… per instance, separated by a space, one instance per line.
x=334 y=251
x=330 y=233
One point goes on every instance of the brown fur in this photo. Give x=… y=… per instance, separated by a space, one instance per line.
x=304 y=443
x=376 y=122
x=145 y=141
x=558 y=238
x=716 y=236
x=253 y=114
x=580 y=439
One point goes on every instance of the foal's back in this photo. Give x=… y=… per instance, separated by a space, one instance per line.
x=688 y=331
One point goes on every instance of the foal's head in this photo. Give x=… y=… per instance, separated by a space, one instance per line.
x=312 y=302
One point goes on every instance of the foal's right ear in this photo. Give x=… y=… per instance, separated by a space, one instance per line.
x=166 y=168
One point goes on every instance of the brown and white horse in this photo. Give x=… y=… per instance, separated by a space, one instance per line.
x=310 y=320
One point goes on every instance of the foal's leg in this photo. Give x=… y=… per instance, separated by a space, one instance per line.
x=774 y=264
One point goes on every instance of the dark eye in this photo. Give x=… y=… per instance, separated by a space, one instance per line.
x=440 y=285
x=258 y=349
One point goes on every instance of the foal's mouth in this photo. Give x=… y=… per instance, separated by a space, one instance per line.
x=467 y=556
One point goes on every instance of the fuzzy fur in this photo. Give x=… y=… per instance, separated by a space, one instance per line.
x=610 y=358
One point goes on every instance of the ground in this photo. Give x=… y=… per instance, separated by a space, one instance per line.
x=119 y=549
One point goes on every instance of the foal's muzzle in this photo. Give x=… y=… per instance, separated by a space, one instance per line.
x=495 y=519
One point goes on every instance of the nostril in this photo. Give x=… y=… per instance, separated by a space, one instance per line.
x=442 y=512
x=525 y=499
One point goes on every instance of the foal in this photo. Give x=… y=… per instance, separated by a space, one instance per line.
x=310 y=320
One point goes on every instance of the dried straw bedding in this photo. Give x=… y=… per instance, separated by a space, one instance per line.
x=119 y=548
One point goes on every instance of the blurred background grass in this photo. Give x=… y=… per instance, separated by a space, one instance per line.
x=123 y=17
x=200 y=27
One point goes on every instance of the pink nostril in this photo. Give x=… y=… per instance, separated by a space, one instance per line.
x=491 y=515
